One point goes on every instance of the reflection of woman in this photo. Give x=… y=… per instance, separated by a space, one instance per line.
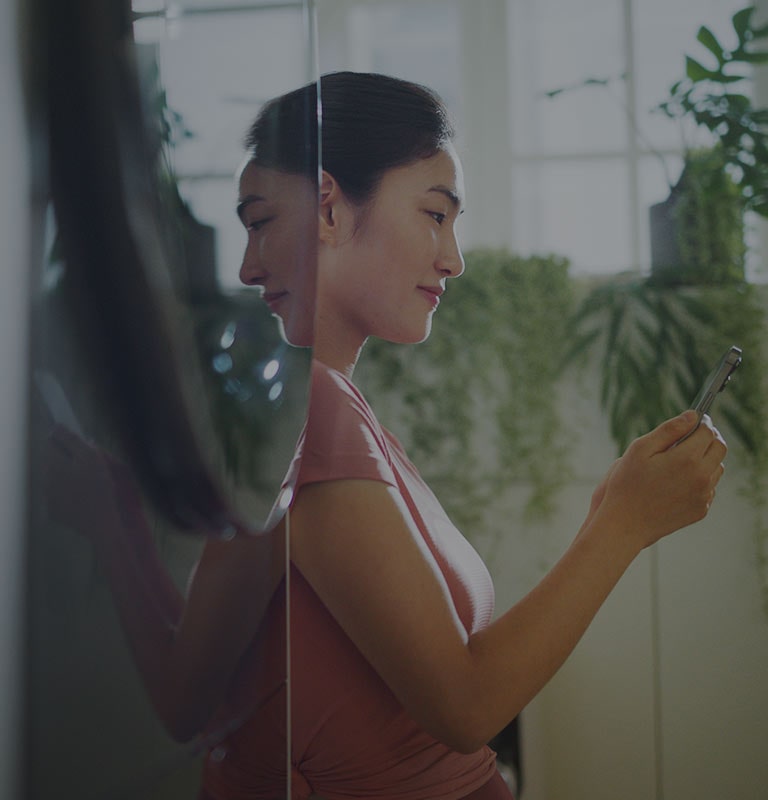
x=279 y=211
x=398 y=674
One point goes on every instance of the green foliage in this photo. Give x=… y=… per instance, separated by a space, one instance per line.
x=714 y=98
x=656 y=344
x=476 y=406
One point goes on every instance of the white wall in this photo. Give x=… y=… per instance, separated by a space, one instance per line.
x=14 y=261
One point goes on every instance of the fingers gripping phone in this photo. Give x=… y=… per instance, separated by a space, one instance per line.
x=716 y=381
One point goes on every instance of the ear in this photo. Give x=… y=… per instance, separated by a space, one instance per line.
x=335 y=211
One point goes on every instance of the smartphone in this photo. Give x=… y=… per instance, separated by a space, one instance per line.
x=716 y=381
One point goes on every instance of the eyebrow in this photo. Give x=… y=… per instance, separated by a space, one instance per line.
x=246 y=201
x=449 y=193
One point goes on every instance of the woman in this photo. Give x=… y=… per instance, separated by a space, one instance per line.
x=398 y=673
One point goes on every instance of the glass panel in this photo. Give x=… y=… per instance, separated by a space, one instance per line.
x=166 y=400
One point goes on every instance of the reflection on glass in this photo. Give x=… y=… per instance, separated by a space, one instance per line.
x=166 y=405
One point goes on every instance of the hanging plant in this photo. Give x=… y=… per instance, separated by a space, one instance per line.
x=475 y=405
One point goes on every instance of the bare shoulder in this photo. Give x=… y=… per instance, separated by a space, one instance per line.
x=336 y=523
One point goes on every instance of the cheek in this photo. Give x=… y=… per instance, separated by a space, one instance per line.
x=405 y=243
x=414 y=250
x=278 y=249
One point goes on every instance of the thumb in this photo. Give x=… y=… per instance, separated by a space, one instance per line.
x=671 y=431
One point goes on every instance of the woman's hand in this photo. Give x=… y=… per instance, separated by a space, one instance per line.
x=659 y=486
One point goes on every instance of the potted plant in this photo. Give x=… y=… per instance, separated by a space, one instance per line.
x=697 y=233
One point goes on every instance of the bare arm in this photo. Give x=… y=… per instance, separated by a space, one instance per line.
x=370 y=568
x=186 y=647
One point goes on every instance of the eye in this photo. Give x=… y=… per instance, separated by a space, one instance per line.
x=437 y=216
x=257 y=224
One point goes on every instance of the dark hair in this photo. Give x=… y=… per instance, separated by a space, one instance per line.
x=370 y=124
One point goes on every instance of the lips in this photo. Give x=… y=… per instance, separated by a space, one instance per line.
x=431 y=294
x=272 y=299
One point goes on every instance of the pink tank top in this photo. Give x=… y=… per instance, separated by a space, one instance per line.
x=350 y=736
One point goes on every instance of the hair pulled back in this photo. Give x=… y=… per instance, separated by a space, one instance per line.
x=371 y=123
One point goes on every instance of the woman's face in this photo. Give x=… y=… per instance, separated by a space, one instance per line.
x=279 y=213
x=386 y=277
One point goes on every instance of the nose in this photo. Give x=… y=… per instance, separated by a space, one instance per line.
x=450 y=261
x=251 y=271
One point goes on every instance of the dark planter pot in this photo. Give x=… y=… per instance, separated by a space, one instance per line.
x=666 y=262
x=718 y=258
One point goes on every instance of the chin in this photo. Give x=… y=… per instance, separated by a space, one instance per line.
x=410 y=337
x=297 y=335
x=424 y=332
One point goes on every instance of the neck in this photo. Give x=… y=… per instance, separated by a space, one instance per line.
x=339 y=336
x=343 y=358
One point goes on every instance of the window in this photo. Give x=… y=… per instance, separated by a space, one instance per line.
x=571 y=174
x=588 y=163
